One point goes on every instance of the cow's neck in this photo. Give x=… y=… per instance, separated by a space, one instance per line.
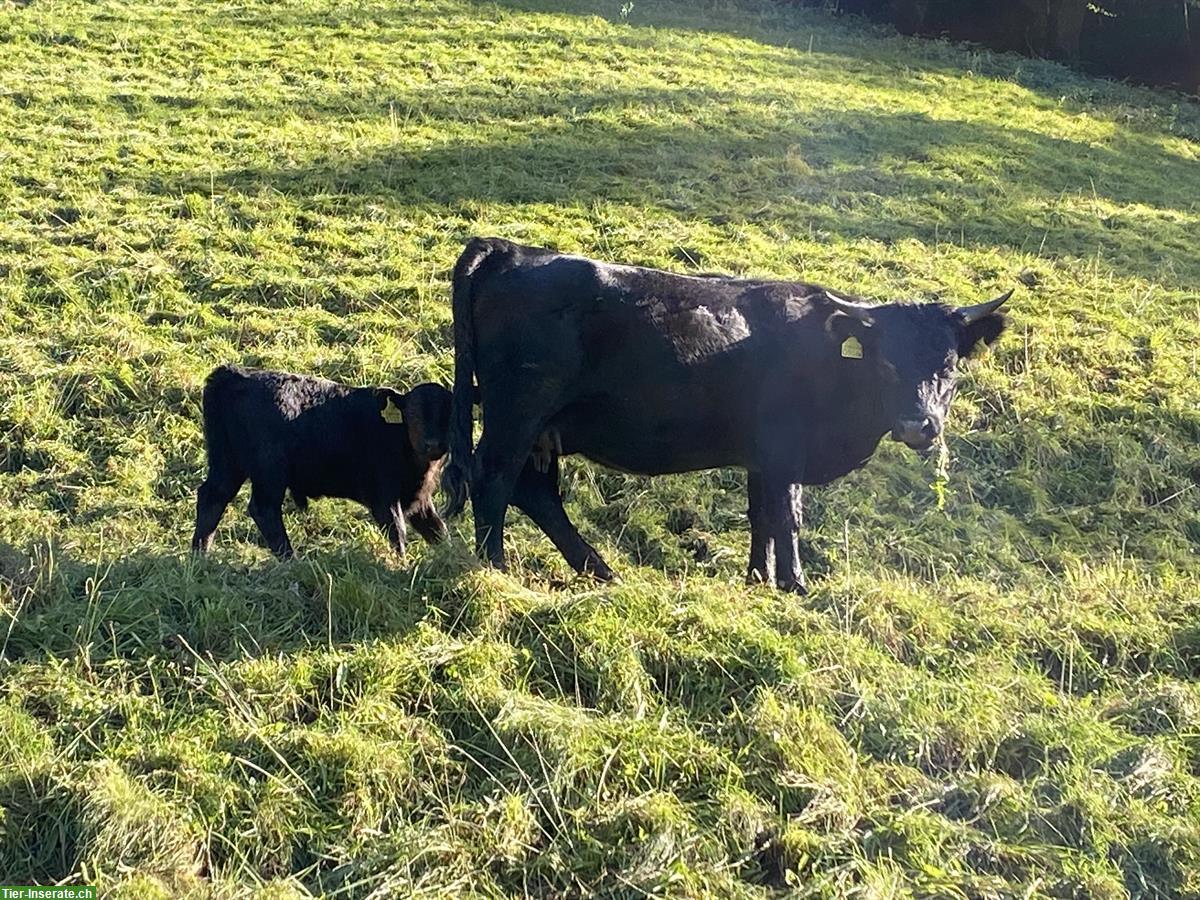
x=845 y=436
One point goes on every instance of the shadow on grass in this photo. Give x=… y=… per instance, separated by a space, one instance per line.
x=145 y=605
x=41 y=835
x=882 y=176
x=792 y=27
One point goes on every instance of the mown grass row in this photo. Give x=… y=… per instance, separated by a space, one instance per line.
x=992 y=689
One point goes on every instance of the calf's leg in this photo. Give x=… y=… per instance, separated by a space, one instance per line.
x=266 y=509
x=537 y=496
x=391 y=520
x=211 y=499
x=428 y=523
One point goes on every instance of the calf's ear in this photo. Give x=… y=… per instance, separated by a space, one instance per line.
x=984 y=331
x=391 y=405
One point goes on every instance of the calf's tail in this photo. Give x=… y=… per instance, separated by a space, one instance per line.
x=456 y=476
x=210 y=404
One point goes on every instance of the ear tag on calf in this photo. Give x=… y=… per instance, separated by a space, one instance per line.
x=391 y=413
x=851 y=348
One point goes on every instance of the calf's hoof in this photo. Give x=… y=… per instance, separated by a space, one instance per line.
x=756 y=577
x=497 y=565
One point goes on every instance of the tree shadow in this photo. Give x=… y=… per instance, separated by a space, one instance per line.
x=891 y=56
x=882 y=176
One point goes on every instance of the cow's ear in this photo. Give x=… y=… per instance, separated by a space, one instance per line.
x=848 y=334
x=985 y=331
x=391 y=405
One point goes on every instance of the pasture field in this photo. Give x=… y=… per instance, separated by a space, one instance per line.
x=993 y=689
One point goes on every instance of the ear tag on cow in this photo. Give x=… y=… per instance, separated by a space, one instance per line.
x=391 y=413
x=851 y=348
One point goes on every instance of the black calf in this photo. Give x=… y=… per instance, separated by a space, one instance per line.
x=317 y=438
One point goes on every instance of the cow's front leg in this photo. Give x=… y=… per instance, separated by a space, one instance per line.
x=783 y=515
x=762 y=545
x=789 y=576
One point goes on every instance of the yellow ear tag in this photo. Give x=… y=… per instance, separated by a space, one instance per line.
x=851 y=348
x=391 y=413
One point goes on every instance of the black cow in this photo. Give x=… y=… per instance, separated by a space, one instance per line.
x=317 y=438
x=652 y=372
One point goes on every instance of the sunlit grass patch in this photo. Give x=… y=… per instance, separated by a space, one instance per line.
x=991 y=690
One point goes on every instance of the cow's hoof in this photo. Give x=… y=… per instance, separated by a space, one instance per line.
x=599 y=570
x=606 y=575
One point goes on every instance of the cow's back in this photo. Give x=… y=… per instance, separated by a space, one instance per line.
x=645 y=370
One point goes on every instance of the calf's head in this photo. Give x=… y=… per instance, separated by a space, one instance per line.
x=907 y=353
x=424 y=412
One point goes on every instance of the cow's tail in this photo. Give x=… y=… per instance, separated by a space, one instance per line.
x=456 y=476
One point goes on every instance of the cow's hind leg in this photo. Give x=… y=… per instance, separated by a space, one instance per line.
x=501 y=455
x=537 y=496
x=214 y=495
x=266 y=509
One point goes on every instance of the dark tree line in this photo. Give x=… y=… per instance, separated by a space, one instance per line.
x=1153 y=41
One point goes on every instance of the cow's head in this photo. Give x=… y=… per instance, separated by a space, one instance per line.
x=424 y=412
x=909 y=352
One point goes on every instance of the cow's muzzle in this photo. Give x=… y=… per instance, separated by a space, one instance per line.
x=916 y=433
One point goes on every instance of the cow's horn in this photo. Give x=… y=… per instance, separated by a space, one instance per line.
x=975 y=313
x=862 y=313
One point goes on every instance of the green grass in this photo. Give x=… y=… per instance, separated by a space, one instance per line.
x=997 y=698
